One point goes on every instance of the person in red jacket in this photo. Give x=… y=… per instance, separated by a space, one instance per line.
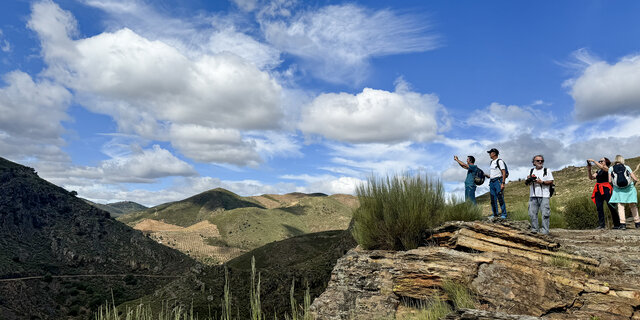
x=602 y=191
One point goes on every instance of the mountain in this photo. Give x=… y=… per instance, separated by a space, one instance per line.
x=118 y=208
x=218 y=225
x=61 y=257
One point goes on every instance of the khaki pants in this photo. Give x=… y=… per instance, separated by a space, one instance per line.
x=634 y=212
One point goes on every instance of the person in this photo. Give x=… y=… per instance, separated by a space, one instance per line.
x=497 y=176
x=539 y=180
x=469 y=184
x=602 y=191
x=624 y=195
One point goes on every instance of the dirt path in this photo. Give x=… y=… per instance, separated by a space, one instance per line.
x=89 y=276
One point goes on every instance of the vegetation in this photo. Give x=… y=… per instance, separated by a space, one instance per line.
x=395 y=211
x=459 y=294
x=520 y=211
x=580 y=213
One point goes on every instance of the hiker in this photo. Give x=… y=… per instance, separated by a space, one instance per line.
x=602 y=191
x=539 y=181
x=469 y=182
x=497 y=177
x=624 y=190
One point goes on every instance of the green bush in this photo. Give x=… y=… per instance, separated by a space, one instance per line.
x=580 y=213
x=459 y=210
x=395 y=211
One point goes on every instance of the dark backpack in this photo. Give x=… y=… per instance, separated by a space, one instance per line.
x=506 y=170
x=478 y=177
x=552 y=187
x=620 y=176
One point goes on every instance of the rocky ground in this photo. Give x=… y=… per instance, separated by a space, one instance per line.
x=514 y=274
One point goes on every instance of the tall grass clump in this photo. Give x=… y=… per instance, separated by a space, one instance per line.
x=459 y=210
x=459 y=294
x=580 y=213
x=395 y=211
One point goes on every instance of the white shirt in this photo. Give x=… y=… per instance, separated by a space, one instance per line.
x=495 y=171
x=540 y=190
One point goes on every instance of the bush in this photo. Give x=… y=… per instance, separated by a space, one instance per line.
x=459 y=210
x=395 y=211
x=580 y=213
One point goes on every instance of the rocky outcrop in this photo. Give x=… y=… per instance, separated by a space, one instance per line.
x=510 y=271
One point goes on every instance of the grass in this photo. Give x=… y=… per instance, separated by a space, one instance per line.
x=561 y=262
x=520 y=212
x=109 y=311
x=395 y=211
x=434 y=309
x=459 y=294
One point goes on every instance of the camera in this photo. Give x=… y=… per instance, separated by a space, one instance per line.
x=531 y=179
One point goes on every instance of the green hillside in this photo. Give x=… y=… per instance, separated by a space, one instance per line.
x=117 y=209
x=60 y=257
x=192 y=210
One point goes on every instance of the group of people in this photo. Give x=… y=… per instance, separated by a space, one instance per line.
x=541 y=188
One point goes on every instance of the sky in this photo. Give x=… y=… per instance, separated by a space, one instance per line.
x=155 y=101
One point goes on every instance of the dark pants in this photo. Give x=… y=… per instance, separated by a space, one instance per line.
x=600 y=199
x=470 y=193
x=497 y=196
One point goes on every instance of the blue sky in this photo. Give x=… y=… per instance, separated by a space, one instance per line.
x=154 y=101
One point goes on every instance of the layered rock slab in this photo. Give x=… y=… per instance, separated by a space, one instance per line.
x=510 y=270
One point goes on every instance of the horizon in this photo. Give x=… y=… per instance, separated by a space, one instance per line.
x=156 y=101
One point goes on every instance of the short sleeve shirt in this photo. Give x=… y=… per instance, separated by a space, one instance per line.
x=495 y=171
x=471 y=173
x=541 y=190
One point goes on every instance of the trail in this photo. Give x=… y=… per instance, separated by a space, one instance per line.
x=89 y=276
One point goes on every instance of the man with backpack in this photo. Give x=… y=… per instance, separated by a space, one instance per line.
x=540 y=181
x=498 y=175
x=475 y=176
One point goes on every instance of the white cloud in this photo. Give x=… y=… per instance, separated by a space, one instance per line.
x=603 y=89
x=31 y=115
x=5 y=45
x=327 y=184
x=383 y=158
x=153 y=89
x=139 y=166
x=336 y=42
x=511 y=120
x=373 y=116
x=246 y=5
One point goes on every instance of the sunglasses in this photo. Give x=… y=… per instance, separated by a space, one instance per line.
x=601 y=161
x=542 y=161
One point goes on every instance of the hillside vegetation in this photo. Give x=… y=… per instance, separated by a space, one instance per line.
x=240 y=223
x=118 y=208
x=61 y=257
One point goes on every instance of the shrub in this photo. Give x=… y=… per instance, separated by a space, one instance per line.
x=580 y=213
x=459 y=210
x=395 y=211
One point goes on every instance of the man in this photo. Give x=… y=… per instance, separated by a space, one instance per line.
x=539 y=180
x=469 y=184
x=497 y=176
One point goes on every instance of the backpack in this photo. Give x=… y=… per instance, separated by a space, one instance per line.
x=478 y=177
x=620 y=176
x=506 y=170
x=552 y=187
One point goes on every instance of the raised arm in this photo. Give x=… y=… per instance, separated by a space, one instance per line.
x=589 y=173
x=462 y=164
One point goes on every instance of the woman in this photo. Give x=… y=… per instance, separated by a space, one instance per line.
x=602 y=191
x=624 y=195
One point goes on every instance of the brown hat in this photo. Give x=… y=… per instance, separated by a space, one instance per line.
x=494 y=150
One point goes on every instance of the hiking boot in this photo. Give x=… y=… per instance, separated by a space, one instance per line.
x=637 y=225
x=622 y=226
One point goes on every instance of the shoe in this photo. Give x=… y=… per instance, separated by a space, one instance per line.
x=599 y=227
x=637 y=225
x=622 y=226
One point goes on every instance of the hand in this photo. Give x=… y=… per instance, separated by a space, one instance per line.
x=455 y=158
x=539 y=181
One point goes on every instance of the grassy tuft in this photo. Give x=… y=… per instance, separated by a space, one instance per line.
x=560 y=261
x=395 y=211
x=580 y=213
x=434 y=309
x=459 y=294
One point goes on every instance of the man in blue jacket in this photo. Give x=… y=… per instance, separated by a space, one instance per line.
x=469 y=185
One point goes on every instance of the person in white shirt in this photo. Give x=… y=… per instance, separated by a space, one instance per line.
x=497 y=177
x=539 y=180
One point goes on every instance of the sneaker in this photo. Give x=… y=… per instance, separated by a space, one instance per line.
x=599 y=227
x=622 y=226
x=637 y=225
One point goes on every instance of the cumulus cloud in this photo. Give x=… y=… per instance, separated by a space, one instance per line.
x=139 y=166
x=335 y=42
x=373 y=116
x=31 y=115
x=153 y=89
x=604 y=89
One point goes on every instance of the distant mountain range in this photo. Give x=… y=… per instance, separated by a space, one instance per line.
x=217 y=225
x=61 y=257
x=118 y=208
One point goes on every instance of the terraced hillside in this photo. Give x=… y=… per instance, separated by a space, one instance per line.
x=218 y=225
